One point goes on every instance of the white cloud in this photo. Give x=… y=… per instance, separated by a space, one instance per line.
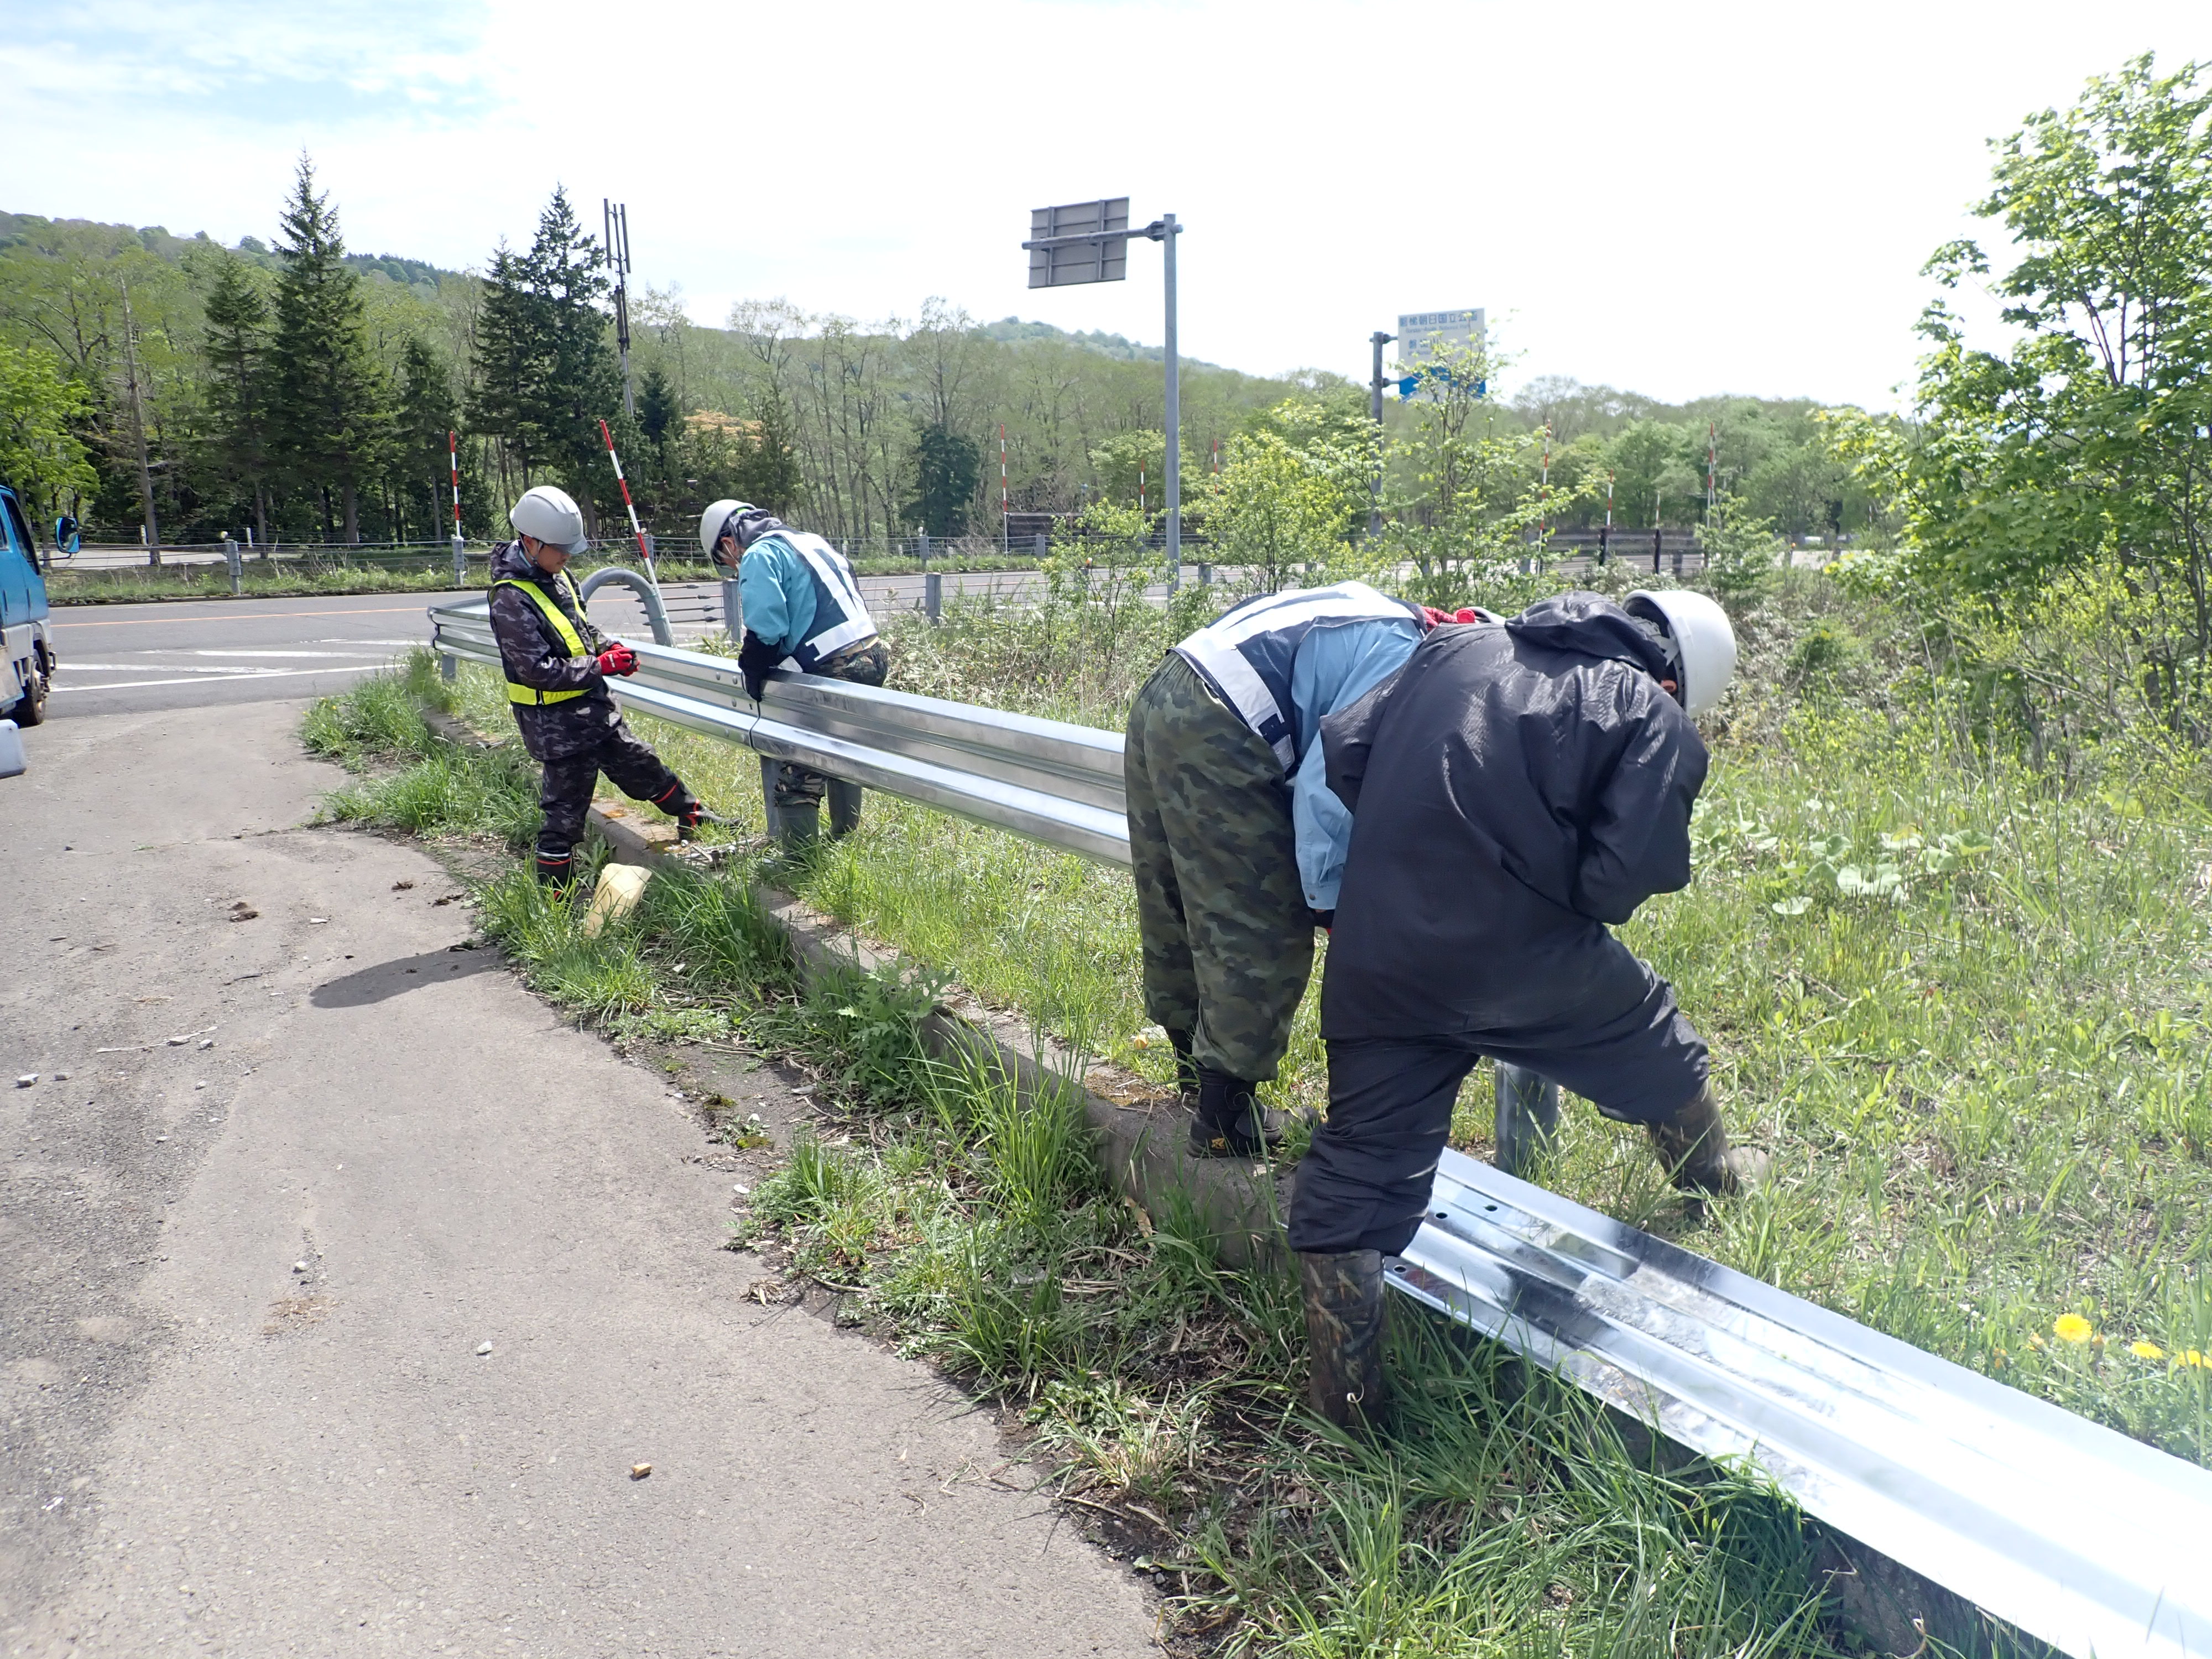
x=1732 y=199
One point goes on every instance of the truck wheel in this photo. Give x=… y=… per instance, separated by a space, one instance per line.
x=31 y=708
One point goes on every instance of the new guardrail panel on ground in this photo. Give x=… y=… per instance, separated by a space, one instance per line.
x=2083 y=1538
x=2079 y=1535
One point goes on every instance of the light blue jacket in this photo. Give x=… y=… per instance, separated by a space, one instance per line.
x=776 y=588
x=1335 y=667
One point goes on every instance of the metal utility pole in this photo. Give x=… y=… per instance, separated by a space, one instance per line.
x=616 y=217
x=1088 y=242
x=1378 y=340
x=1168 y=231
x=138 y=421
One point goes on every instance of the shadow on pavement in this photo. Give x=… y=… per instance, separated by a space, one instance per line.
x=386 y=980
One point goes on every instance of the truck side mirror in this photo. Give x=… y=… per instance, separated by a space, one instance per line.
x=67 y=536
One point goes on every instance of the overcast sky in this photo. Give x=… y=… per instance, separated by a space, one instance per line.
x=1673 y=199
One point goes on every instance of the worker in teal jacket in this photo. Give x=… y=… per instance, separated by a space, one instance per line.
x=803 y=611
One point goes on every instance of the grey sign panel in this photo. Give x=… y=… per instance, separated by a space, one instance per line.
x=1421 y=333
x=1079 y=242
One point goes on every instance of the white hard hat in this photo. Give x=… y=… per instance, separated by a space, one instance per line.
x=1702 y=642
x=716 y=520
x=550 y=515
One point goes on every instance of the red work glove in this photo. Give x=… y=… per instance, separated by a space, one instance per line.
x=617 y=659
x=1436 y=618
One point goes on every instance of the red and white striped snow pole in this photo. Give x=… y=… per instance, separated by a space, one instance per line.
x=460 y=547
x=644 y=552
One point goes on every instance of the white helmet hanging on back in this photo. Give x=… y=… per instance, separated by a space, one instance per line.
x=1698 y=638
x=550 y=516
x=717 y=521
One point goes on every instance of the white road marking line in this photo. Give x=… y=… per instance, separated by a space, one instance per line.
x=265 y=674
x=154 y=667
x=278 y=654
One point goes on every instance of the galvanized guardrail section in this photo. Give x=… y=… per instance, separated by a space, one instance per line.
x=2090 y=1540
x=1046 y=779
x=2081 y=1536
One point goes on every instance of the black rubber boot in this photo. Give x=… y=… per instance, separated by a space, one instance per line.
x=558 y=873
x=693 y=813
x=1229 y=1122
x=1694 y=1145
x=1344 y=1296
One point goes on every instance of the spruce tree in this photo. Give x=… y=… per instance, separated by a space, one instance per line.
x=545 y=373
x=328 y=415
x=508 y=389
x=582 y=380
x=420 y=458
x=237 y=346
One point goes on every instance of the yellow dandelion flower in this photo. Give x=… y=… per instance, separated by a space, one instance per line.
x=2192 y=1358
x=2035 y=1340
x=2146 y=1351
x=2072 y=1328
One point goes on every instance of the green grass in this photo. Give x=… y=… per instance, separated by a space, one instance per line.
x=1963 y=999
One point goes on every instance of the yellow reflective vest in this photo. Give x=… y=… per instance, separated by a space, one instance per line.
x=517 y=692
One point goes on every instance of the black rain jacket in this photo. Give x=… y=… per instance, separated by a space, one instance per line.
x=533 y=654
x=1515 y=788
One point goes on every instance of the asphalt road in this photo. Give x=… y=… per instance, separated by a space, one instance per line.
x=119 y=658
x=115 y=658
x=342 y=1284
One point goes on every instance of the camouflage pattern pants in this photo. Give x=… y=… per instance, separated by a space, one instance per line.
x=565 y=791
x=865 y=663
x=1228 y=939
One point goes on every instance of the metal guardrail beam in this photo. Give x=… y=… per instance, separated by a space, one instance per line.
x=1044 y=779
x=2091 y=1541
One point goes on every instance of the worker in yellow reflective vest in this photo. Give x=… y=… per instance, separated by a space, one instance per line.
x=557 y=668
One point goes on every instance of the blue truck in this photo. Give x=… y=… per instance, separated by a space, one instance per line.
x=26 y=648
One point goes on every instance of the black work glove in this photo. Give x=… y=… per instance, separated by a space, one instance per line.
x=1324 y=920
x=755 y=658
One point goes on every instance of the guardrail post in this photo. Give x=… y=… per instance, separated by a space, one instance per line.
x=1040 y=546
x=1205 y=574
x=236 y=560
x=449 y=667
x=733 y=609
x=460 y=563
x=1527 y=1114
x=933 y=594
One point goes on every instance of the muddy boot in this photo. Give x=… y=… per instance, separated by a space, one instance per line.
x=1230 y=1121
x=1694 y=1146
x=1345 y=1320
x=844 y=808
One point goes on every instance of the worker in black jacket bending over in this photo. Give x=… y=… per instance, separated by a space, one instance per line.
x=1516 y=790
x=557 y=667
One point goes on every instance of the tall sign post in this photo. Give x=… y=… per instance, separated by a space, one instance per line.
x=1088 y=242
x=616 y=215
x=1378 y=340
